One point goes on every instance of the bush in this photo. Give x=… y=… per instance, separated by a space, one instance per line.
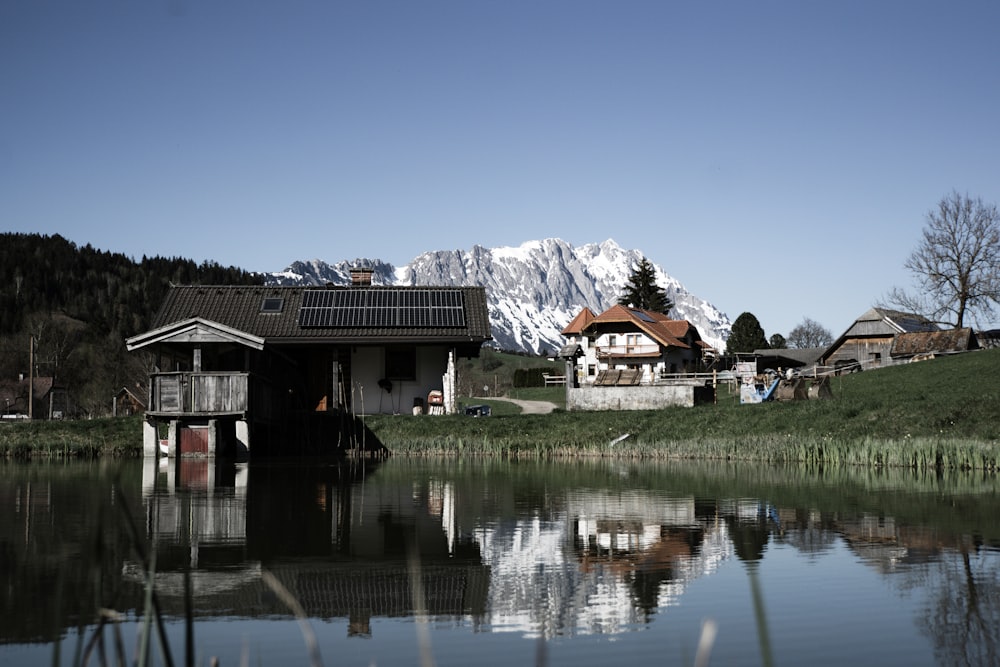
x=530 y=377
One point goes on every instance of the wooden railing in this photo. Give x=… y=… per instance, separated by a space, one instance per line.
x=210 y=394
x=551 y=380
x=626 y=350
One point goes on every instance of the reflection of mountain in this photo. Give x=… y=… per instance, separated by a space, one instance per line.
x=602 y=562
x=592 y=561
x=537 y=552
x=607 y=563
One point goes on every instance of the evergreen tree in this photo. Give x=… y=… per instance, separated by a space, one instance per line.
x=746 y=336
x=641 y=291
x=86 y=302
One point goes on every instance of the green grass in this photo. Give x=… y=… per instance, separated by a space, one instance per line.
x=943 y=413
x=938 y=414
x=90 y=438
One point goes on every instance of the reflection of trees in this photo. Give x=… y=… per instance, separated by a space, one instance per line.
x=806 y=531
x=657 y=565
x=750 y=534
x=963 y=614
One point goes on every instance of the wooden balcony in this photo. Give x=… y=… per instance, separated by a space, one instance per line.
x=210 y=394
x=628 y=351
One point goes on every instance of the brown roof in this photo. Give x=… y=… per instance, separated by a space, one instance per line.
x=657 y=326
x=14 y=393
x=240 y=308
x=579 y=323
x=927 y=342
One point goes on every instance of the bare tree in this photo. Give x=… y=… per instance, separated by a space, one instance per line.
x=956 y=263
x=809 y=333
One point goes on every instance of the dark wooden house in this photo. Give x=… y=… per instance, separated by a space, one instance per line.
x=129 y=402
x=881 y=336
x=237 y=363
x=39 y=398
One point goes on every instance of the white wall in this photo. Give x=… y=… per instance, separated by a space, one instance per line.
x=368 y=367
x=629 y=398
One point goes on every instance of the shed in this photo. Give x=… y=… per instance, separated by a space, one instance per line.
x=868 y=342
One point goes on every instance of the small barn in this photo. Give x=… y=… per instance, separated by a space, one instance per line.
x=868 y=342
x=128 y=402
x=235 y=363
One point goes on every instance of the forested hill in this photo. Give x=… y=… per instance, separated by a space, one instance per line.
x=79 y=304
x=107 y=291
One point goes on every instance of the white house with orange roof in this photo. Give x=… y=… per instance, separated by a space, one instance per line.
x=631 y=347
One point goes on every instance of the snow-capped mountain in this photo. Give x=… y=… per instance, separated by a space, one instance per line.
x=533 y=290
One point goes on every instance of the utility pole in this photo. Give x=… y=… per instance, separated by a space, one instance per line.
x=31 y=376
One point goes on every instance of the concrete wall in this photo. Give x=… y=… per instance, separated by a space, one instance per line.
x=629 y=398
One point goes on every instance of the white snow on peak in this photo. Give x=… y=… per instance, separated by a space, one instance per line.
x=533 y=290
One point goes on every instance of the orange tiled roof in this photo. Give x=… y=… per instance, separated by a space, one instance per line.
x=579 y=323
x=657 y=326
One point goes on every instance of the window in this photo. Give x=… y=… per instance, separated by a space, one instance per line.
x=272 y=304
x=401 y=363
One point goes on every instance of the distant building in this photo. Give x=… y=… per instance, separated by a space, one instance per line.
x=49 y=400
x=883 y=337
x=633 y=359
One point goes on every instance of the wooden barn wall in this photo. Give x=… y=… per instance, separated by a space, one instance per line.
x=862 y=350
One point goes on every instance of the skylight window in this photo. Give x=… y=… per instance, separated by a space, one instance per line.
x=643 y=316
x=272 y=304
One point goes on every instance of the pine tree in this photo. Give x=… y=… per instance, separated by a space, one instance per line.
x=746 y=336
x=641 y=291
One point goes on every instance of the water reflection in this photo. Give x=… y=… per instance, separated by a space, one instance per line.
x=536 y=551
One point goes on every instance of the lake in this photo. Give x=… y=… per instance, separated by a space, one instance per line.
x=470 y=562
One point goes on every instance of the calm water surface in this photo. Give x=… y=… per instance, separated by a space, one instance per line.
x=492 y=563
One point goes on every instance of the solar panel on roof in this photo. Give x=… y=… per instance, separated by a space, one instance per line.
x=643 y=316
x=382 y=308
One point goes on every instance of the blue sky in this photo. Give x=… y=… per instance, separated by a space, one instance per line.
x=775 y=157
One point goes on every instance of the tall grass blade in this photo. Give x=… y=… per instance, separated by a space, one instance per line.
x=763 y=635
x=147 y=614
x=709 y=629
x=300 y=614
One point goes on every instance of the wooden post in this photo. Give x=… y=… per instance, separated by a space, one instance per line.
x=31 y=376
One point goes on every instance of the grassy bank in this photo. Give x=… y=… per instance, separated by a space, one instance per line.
x=943 y=413
x=939 y=413
x=90 y=438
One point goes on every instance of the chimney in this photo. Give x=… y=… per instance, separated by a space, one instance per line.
x=361 y=277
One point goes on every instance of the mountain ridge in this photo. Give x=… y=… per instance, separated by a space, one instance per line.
x=533 y=290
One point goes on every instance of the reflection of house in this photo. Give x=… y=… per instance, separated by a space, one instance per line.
x=231 y=360
x=48 y=399
x=638 y=349
x=881 y=337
